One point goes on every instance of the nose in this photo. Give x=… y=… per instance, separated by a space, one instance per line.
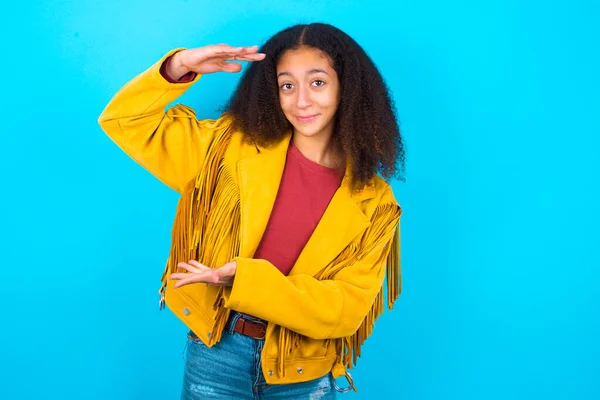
x=303 y=99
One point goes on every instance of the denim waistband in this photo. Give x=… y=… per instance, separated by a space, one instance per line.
x=233 y=318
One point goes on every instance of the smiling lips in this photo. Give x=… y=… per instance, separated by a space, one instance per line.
x=308 y=118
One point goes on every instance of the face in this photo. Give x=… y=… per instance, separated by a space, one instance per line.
x=309 y=91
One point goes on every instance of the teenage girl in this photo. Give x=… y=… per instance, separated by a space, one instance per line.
x=286 y=228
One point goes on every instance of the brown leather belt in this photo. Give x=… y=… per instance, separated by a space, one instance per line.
x=256 y=329
x=249 y=327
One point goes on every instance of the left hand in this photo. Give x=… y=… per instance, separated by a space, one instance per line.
x=199 y=273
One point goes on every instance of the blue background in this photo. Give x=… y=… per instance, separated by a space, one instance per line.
x=499 y=108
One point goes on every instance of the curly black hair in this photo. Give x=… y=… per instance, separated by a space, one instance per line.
x=366 y=126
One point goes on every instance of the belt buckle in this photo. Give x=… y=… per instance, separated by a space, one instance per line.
x=264 y=331
x=253 y=322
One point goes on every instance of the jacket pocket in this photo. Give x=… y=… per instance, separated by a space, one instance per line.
x=188 y=304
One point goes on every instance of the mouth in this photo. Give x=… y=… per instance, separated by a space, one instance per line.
x=306 y=118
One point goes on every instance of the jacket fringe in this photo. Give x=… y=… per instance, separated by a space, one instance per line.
x=384 y=230
x=207 y=214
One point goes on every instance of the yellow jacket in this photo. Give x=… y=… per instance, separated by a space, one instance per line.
x=321 y=313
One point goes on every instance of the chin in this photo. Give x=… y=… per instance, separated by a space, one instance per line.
x=308 y=131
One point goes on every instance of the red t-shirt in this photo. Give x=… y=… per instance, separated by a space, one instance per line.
x=305 y=191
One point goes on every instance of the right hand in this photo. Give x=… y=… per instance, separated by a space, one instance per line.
x=209 y=59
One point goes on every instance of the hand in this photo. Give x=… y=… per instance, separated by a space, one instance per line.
x=214 y=58
x=199 y=273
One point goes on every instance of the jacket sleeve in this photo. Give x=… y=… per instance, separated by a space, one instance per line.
x=320 y=309
x=171 y=145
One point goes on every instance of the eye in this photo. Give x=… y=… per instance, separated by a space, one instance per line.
x=287 y=86
x=318 y=82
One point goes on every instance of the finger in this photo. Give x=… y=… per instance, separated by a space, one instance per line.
x=255 y=56
x=247 y=57
x=230 y=50
x=198 y=265
x=191 y=278
x=182 y=282
x=189 y=268
x=178 y=276
x=225 y=48
x=231 y=67
x=243 y=50
x=248 y=49
x=221 y=47
x=250 y=54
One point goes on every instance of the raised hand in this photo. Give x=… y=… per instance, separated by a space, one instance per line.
x=213 y=58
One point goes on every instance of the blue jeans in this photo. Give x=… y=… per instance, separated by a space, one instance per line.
x=231 y=370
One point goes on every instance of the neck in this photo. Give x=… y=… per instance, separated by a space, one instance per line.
x=319 y=149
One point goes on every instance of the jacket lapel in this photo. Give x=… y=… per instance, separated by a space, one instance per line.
x=259 y=178
x=342 y=222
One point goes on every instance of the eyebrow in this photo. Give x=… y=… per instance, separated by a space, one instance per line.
x=312 y=71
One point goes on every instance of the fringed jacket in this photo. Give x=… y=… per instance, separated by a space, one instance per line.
x=322 y=312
